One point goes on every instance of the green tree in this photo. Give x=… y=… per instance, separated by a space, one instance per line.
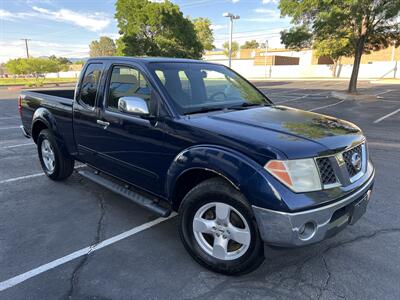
x=334 y=48
x=15 y=66
x=32 y=65
x=366 y=24
x=297 y=38
x=235 y=48
x=155 y=29
x=63 y=63
x=253 y=44
x=105 y=46
x=300 y=37
x=204 y=32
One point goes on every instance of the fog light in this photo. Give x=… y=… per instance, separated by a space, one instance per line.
x=307 y=231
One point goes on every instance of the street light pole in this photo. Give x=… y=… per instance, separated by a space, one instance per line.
x=231 y=18
x=230 y=41
x=265 y=57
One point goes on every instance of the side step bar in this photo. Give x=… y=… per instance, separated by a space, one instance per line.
x=125 y=192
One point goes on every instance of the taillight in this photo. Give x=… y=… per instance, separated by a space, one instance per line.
x=20 y=104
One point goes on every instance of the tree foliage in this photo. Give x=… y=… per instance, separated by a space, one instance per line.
x=235 y=48
x=32 y=65
x=105 y=46
x=253 y=44
x=353 y=27
x=297 y=38
x=204 y=33
x=155 y=29
x=63 y=63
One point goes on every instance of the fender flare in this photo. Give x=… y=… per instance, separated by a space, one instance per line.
x=44 y=116
x=232 y=165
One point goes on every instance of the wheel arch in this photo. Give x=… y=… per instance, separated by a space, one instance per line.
x=44 y=119
x=198 y=163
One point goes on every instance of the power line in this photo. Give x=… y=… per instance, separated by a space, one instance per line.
x=26 y=46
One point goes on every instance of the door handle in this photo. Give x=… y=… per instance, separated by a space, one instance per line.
x=103 y=123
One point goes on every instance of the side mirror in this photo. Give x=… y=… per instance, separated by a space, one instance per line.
x=133 y=105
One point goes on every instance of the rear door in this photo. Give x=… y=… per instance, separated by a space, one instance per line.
x=129 y=146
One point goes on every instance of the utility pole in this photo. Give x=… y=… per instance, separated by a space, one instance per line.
x=231 y=18
x=26 y=46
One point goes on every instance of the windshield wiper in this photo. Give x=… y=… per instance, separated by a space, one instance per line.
x=245 y=105
x=204 y=110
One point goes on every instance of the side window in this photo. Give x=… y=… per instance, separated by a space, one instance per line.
x=90 y=83
x=126 y=81
x=185 y=83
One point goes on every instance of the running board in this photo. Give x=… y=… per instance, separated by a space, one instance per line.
x=127 y=193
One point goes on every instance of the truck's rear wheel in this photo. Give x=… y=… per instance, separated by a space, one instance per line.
x=219 y=230
x=54 y=163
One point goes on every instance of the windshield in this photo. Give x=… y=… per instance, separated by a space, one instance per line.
x=196 y=87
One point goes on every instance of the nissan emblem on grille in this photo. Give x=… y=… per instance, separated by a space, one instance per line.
x=356 y=161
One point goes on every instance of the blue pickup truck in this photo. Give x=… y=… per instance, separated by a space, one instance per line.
x=199 y=139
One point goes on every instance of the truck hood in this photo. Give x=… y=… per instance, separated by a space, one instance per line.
x=294 y=132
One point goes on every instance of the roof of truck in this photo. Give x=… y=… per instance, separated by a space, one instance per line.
x=148 y=59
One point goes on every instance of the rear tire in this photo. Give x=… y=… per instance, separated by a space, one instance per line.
x=219 y=230
x=55 y=165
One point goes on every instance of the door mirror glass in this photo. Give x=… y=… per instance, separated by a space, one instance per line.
x=133 y=105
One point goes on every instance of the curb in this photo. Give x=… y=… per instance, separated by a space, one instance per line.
x=352 y=97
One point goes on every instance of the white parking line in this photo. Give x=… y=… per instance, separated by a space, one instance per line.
x=384 y=92
x=30 y=176
x=19 y=145
x=294 y=99
x=21 y=178
x=386 y=116
x=4 y=128
x=383 y=145
x=7 y=118
x=329 y=105
x=282 y=93
x=87 y=250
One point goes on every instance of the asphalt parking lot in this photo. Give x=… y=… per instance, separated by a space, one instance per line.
x=43 y=223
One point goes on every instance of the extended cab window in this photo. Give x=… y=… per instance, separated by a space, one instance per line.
x=126 y=82
x=90 y=83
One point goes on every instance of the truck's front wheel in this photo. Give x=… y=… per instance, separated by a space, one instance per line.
x=219 y=230
x=54 y=163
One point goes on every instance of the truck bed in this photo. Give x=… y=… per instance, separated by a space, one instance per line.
x=65 y=93
x=58 y=101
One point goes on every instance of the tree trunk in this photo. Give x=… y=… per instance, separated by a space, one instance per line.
x=356 y=66
x=334 y=68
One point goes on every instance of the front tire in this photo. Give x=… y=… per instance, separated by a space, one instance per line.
x=55 y=165
x=218 y=228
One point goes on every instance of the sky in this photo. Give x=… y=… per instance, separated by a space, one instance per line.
x=66 y=27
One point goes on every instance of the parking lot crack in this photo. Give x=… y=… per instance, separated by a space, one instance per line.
x=360 y=238
x=74 y=280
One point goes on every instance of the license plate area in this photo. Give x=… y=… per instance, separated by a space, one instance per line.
x=358 y=209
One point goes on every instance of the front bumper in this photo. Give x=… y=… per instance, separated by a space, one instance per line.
x=307 y=227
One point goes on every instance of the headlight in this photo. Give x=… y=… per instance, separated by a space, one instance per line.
x=300 y=175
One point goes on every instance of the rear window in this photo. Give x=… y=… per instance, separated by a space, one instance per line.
x=90 y=83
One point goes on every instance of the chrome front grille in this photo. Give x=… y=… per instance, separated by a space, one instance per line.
x=340 y=169
x=326 y=170
x=347 y=156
